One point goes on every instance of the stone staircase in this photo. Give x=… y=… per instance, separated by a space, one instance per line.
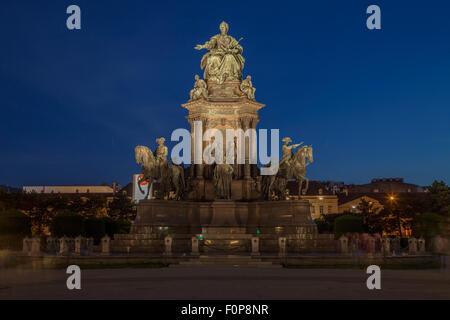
x=237 y=261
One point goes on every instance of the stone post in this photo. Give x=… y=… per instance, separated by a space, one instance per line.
x=89 y=246
x=421 y=245
x=386 y=246
x=79 y=245
x=167 y=246
x=64 y=246
x=35 y=247
x=255 y=246
x=412 y=246
x=343 y=244
x=106 y=245
x=26 y=245
x=282 y=246
x=395 y=243
x=52 y=245
x=371 y=245
x=194 y=251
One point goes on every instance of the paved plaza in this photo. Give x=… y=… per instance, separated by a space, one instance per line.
x=224 y=283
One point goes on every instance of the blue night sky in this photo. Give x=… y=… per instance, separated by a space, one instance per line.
x=74 y=104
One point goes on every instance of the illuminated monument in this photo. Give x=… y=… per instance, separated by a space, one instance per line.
x=227 y=204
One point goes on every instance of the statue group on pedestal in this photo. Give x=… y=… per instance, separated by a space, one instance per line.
x=223 y=63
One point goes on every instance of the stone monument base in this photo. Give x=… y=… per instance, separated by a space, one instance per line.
x=222 y=226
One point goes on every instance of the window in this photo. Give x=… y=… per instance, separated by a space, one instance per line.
x=321 y=209
x=329 y=209
x=313 y=209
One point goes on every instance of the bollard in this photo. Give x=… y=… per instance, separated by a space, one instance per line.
x=255 y=246
x=89 y=246
x=386 y=246
x=282 y=246
x=26 y=245
x=79 y=245
x=343 y=244
x=371 y=245
x=52 y=246
x=412 y=246
x=35 y=247
x=64 y=246
x=194 y=251
x=105 y=245
x=421 y=246
x=167 y=246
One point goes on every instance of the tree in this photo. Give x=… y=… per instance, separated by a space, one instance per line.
x=438 y=198
x=121 y=207
x=428 y=225
x=369 y=215
x=67 y=223
x=347 y=223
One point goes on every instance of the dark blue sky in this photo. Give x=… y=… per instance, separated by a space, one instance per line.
x=74 y=104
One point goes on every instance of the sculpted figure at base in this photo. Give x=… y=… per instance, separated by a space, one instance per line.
x=200 y=89
x=224 y=61
x=247 y=88
x=155 y=166
x=223 y=176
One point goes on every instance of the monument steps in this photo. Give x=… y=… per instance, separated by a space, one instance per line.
x=226 y=261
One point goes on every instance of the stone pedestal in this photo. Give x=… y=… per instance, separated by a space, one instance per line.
x=343 y=244
x=421 y=246
x=194 y=249
x=412 y=246
x=89 y=246
x=282 y=246
x=64 y=246
x=386 y=246
x=26 y=245
x=168 y=246
x=78 y=246
x=255 y=246
x=371 y=245
x=52 y=245
x=106 y=246
x=395 y=246
x=35 y=247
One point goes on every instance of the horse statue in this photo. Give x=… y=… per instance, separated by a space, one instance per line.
x=154 y=168
x=294 y=168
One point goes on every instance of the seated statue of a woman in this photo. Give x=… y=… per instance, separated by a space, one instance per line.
x=224 y=61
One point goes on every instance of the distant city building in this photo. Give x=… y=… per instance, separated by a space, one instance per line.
x=346 y=205
x=69 y=189
x=386 y=185
x=322 y=204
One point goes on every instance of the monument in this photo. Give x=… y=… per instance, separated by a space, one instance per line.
x=223 y=205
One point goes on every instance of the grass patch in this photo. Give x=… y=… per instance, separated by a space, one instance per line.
x=120 y=266
x=419 y=266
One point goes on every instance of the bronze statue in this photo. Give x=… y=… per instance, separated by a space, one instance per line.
x=224 y=61
x=200 y=89
x=247 y=88
x=294 y=167
x=223 y=176
x=155 y=166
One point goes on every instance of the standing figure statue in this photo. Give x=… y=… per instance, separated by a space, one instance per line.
x=224 y=61
x=247 y=88
x=223 y=176
x=200 y=89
